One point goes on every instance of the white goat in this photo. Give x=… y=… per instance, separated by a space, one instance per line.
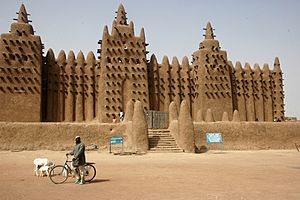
x=42 y=166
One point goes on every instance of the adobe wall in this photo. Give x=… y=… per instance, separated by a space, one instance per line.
x=52 y=136
x=123 y=68
x=20 y=72
x=212 y=77
x=60 y=136
x=250 y=135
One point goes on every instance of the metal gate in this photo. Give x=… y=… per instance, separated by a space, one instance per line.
x=157 y=119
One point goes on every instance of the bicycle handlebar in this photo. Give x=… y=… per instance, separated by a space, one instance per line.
x=67 y=159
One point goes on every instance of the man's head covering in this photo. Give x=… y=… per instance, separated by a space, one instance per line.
x=77 y=139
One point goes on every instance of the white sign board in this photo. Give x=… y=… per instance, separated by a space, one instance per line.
x=214 y=138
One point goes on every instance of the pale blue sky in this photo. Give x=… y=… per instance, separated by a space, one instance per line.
x=253 y=31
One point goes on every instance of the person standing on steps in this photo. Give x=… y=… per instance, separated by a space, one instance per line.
x=121 y=115
x=79 y=161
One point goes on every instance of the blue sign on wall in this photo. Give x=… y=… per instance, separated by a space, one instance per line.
x=214 y=138
x=116 y=139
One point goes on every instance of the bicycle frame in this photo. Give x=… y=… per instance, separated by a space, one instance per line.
x=66 y=170
x=66 y=165
x=70 y=169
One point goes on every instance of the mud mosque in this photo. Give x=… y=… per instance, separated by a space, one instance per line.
x=94 y=88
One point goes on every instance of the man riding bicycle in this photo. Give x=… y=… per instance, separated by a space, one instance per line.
x=78 y=160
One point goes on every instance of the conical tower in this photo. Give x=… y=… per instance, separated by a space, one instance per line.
x=121 y=16
x=209 y=34
x=278 y=95
x=267 y=93
x=212 y=77
x=153 y=83
x=123 y=68
x=21 y=71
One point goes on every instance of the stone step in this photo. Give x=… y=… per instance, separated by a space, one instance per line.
x=158 y=130
x=159 y=135
x=162 y=136
x=169 y=150
x=160 y=140
x=163 y=145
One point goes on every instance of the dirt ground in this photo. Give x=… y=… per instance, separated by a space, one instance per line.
x=213 y=175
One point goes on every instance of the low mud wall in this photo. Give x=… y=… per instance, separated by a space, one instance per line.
x=51 y=136
x=249 y=135
x=236 y=135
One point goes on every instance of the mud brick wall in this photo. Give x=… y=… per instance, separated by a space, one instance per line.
x=169 y=82
x=249 y=135
x=20 y=72
x=258 y=94
x=123 y=72
x=52 y=136
x=70 y=87
x=212 y=77
x=236 y=135
x=35 y=88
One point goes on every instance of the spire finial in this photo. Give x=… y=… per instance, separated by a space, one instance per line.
x=121 y=15
x=209 y=34
x=22 y=15
x=142 y=34
x=277 y=65
x=276 y=62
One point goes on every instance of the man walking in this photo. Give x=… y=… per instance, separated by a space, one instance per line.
x=78 y=160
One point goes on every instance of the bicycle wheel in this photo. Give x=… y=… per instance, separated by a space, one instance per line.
x=89 y=172
x=58 y=174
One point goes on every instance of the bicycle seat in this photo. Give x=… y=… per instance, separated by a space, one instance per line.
x=90 y=163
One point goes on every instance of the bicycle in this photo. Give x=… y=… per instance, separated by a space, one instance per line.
x=60 y=173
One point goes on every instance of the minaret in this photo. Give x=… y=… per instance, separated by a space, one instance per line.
x=153 y=83
x=267 y=93
x=121 y=16
x=21 y=72
x=123 y=68
x=212 y=77
x=209 y=34
x=22 y=15
x=278 y=95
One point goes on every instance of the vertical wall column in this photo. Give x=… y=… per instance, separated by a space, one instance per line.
x=267 y=93
x=258 y=94
x=278 y=96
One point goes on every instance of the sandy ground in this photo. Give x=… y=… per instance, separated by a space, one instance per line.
x=212 y=175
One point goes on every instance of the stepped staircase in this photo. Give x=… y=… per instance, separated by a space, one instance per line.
x=160 y=140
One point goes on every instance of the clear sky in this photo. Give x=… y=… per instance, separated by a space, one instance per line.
x=253 y=31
